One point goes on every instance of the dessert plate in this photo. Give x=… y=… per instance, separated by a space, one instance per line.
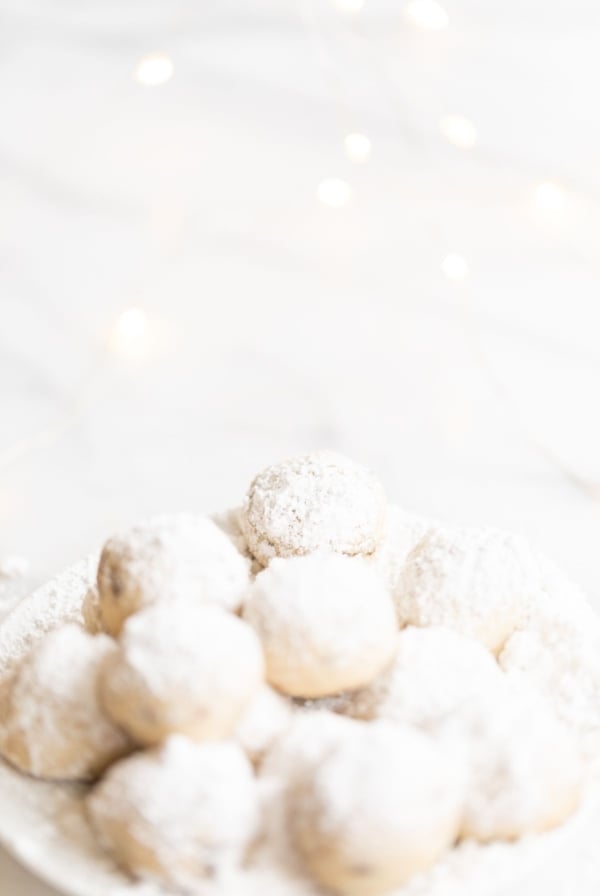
x=43 y=824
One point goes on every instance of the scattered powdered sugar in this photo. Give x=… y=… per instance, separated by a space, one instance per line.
x=326 y=622
x=44 y=825
x=53 y=725
x=185 y=811
x=471 y=580
x=314 y=502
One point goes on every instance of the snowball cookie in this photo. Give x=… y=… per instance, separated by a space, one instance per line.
x=182 y=668
x=326 y=623
x=434 y=673
x=309 y=737
x=264 y=720
x=563 y=665
x=177 y=813
x=525 y=767
x=382 y=805
x=471 y=580
x=167 y=558
x=52 y=723
x=319 y=501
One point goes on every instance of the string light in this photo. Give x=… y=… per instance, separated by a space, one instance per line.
x=549 y=196
x=427 y=14
x=334 y=192
x=349 y=6
x=154 y=69
x=358 y=148
x=455 y=267
x=130 y=333
x=459 y=131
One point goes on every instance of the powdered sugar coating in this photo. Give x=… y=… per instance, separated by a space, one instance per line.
x=383 y=804
x=182 y=668
x=52 y=605
x=52 y=724
x=309 y=738
x=326 y=623
x=472 y=580
x=182 y=813
x=557 y=652
x=319 y=501
x=434 y=673
x=169 y=558
x=525 y=767
x=566 y=671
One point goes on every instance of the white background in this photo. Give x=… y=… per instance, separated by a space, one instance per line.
x=276 y=324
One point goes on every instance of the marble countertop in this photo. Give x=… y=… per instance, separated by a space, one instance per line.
x=266 y=321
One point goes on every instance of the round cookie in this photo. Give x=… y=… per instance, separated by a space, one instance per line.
x=52 y=723
x=307 y=740
x=319 y=501
x=563 y=666
x=179 y=813
x=435 y=672
x=382 y=805
x=326 y=623
x=165 y=559
x=182 y=668
x=475 y=581
x=525 y=767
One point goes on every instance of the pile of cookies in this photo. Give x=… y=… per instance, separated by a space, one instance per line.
x=316 y=681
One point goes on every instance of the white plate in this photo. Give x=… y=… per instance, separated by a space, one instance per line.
x=43 y=826
x=42 y=823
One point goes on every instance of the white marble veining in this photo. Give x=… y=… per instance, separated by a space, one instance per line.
x=277 y=324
